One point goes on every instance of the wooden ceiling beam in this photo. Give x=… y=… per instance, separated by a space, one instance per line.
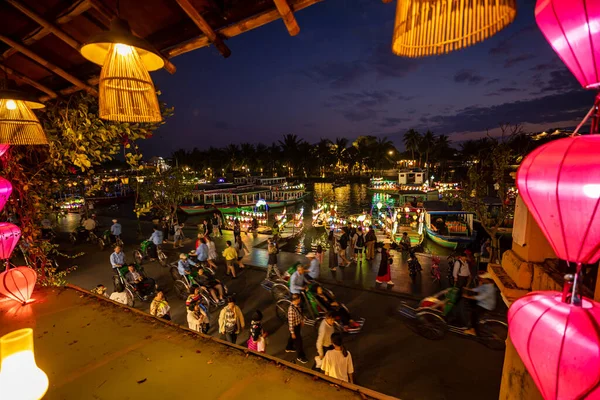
x=49 y=26
x=93 y=81
x=237 y=29
x=48 y=65
x=76 y=9
x=18 y=76
x=201 y=23
x=107 y=13
x=287 y=16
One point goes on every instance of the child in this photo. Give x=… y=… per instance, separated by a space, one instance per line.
x=257 y=341
x=100 y=290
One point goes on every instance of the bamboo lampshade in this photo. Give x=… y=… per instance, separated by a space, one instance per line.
x=127 y=93
x=432 y=27
x=18 y=124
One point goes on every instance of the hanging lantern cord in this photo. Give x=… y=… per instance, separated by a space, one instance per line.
x=595 y=114
x=570 y=292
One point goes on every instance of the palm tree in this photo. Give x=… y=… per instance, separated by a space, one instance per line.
x=381 y=153
x=442 y=152
x=340 y=149
x=426 y=146
x=412 y=139
x=232 y=152
x=247 y=155
x=323 y=152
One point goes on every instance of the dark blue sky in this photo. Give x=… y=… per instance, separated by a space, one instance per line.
x=339 y=78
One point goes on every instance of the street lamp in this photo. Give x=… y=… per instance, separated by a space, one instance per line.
x=391 y=152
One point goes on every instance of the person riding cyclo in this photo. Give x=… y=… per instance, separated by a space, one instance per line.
x=141 y=283
x=184 y=266
x=197 y=276
x=327 y=302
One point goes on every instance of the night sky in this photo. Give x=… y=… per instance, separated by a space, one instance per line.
x=339 y=78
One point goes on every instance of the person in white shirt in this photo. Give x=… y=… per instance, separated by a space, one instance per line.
x=89 y=224
x=461 y=272
x=337 y=363
x=326 y=329
x=119 y=297
x=196 y=317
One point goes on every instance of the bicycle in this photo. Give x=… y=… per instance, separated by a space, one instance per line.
x=141 y=253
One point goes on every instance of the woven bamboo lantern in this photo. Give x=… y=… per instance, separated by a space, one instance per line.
x=127 y=92
x=18 y=124
x=432 y=27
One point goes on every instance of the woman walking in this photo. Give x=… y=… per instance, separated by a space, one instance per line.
x=337 y=363
x=178 y=238
x=241 y=249
x=160 y=307
x=370 y=240
x=212 y=253
x=230 y=255
x=231 y=321
x=384 y=274
x=272 y=250
x=257 y=341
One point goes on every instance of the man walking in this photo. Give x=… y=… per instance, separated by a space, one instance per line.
x=295 y=322
x=461 y=272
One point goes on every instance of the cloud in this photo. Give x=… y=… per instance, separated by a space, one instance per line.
x=388 y=65
x=559 y=81
x=554 y=108
x=468 y=76
x=337 y=74
x=504 y=47
x=492 y=81
x=405 y=98
x=360 y=106
x=504 y=90
x=512 y=61
x=393 y=122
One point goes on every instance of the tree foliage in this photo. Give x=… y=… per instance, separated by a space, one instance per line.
x=164 y=191
x=79 y=141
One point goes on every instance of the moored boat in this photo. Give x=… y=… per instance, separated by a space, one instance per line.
x=450 y=228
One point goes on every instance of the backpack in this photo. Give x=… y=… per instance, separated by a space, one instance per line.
x=360 y=241
x=344 y=240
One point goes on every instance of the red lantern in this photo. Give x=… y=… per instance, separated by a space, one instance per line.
x=559 y=344
x=18 y=283
x=5 y=191
x=9 y=237
x=560 y=184
x=3 y=148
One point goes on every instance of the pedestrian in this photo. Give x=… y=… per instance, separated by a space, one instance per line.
x=119 y=296
x=230 y=255
x=320 y=254
x=272 y=251
x=212 y=252
x=237 y=229
x=196 y=317
x=257 y=340
x=215 y=225
x=115 y=230
x=295 y=323
x=231 y=321
x=326 y=329
x=343 y=247
x=358 y=241
x=156 y=238
x=483 y=299
x=314 y=267
x=298 y=281
x=241 y=249
x=337 y=363
x=100 y=290
x=202 y=228
x=178 y=235
x=486 y=249
x=220 y=222
x=275 y=231
x=370 y=239
x=202 y=252
x=160 y=307
x=461 y=272
x=384 y=274
x=405 y=243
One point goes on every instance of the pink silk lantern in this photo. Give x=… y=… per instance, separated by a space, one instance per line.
x=559 y=344
x=560 y=184
x=18 y=283
x=572 y=27
x=3 y=148
x=5 y=191
x=9 y=237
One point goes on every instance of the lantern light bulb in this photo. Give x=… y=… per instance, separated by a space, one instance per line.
x=592 y=190
x=123 y=49
x=11 y=105
x=20 y=377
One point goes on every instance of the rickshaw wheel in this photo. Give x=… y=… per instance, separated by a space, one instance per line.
x=431 y=325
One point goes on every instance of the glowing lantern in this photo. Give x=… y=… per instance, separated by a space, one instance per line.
x=5 y=191
x=9 y=237
x=20 y=377
x=560 y=184
x=3 y=148
x=18 y=283
x=429 y=27
x=18 y=124
x=559 y=344
x=571 y=27
x=127 y=92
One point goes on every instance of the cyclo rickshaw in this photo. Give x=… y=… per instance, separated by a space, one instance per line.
x=183 y=285
x=120 y=283
x=141 y=254
x=314 y=312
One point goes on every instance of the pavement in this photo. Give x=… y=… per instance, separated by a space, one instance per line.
x=389 y=356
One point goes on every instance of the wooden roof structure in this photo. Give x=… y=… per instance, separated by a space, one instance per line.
x=40 y=39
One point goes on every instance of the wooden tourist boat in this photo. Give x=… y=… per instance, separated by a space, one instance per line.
x=380 y=185
x=406 y=219
x=450 y=228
